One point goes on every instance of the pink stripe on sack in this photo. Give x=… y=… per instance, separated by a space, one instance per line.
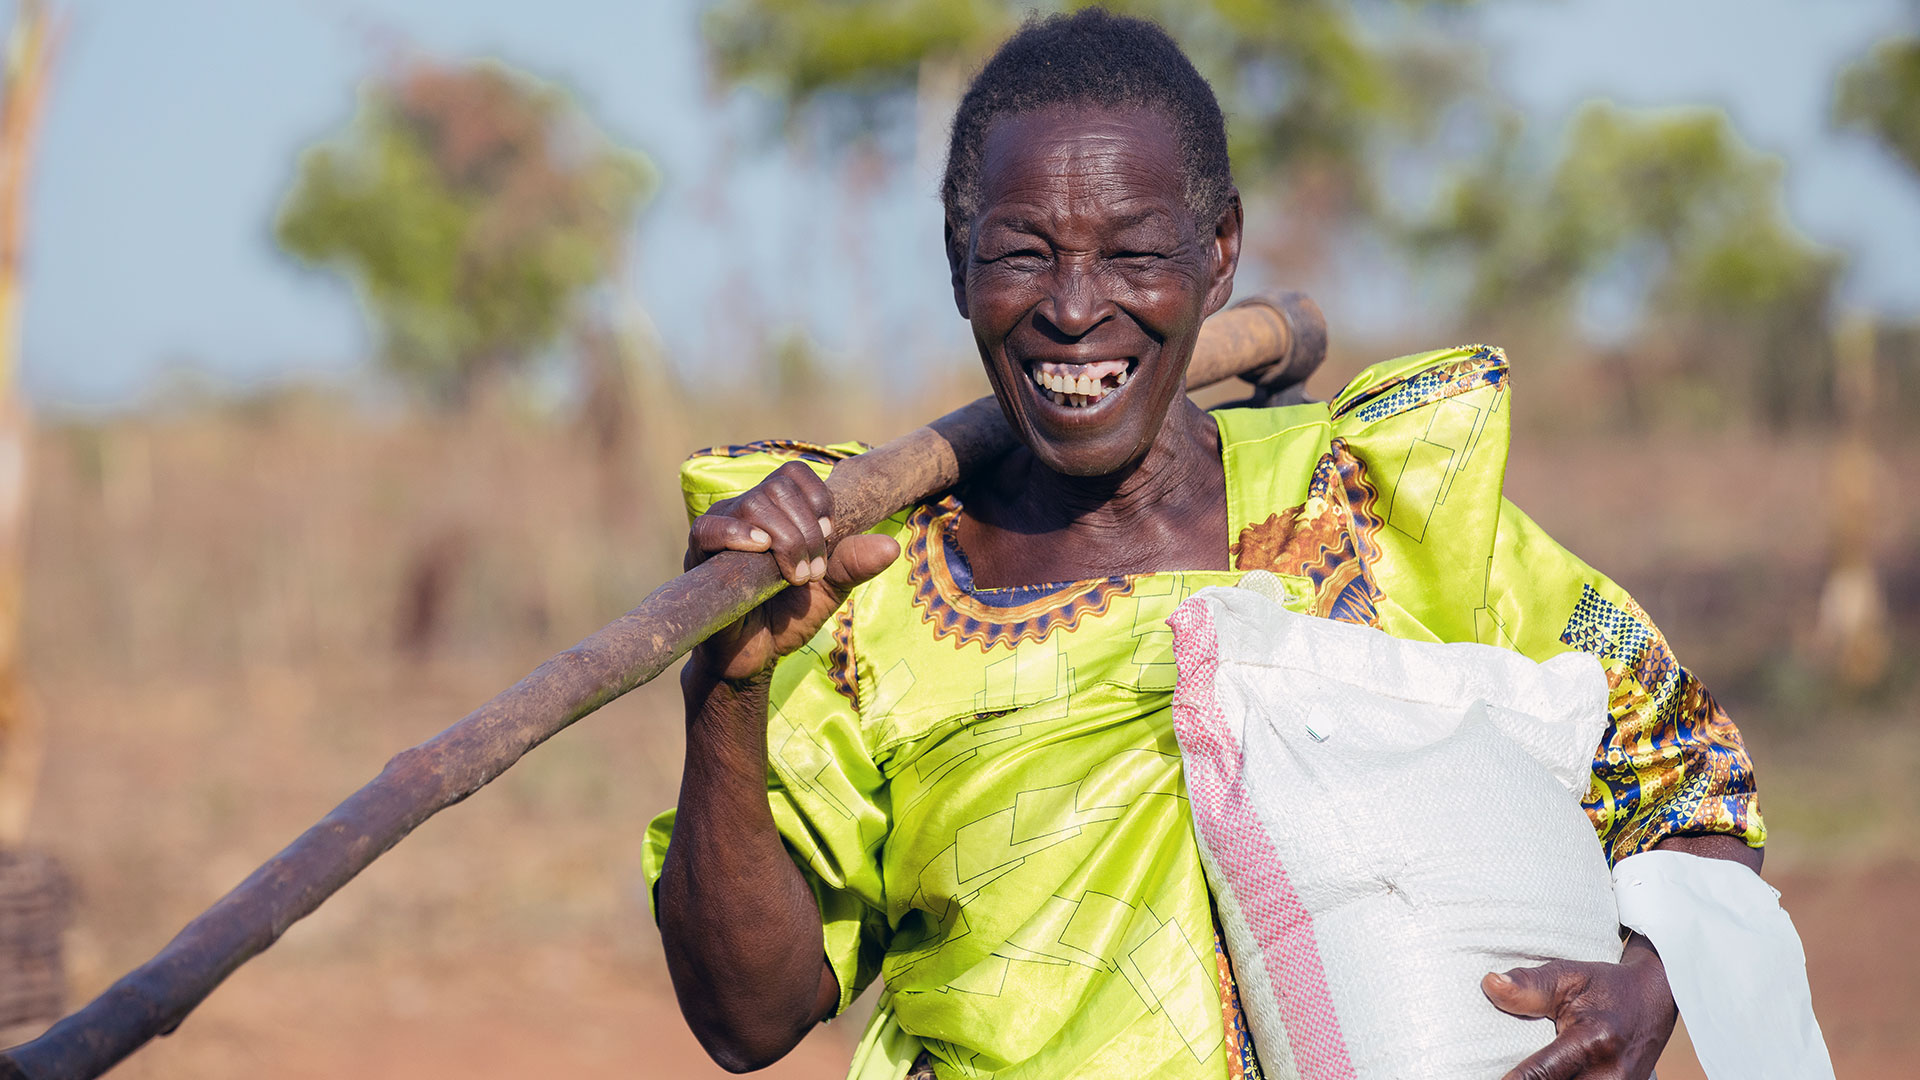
x=1223 y=812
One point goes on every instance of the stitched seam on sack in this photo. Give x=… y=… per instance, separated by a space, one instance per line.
x=1291 y=959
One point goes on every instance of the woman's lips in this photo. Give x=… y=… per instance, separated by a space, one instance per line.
x=1079 y=386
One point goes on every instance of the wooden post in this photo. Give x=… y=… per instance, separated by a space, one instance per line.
x=1850 y=627
x=22 y=88
x=35 y=901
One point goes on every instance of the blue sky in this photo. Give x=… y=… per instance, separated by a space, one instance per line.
x=173 y=128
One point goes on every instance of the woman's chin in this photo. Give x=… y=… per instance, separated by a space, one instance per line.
x=1085 y=452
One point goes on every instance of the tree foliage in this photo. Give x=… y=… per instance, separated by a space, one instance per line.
x=470 y=204
x=802 y=50
x=1308 y=91
x=1880 y=94
x=1677 y=198
x=1322 y=96
x=1674 y=187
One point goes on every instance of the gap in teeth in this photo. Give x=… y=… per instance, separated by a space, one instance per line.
x=1079 y=385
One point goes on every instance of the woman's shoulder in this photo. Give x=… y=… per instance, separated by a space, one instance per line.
x=1386 y=390
x=722 y=472
x=1416 y=381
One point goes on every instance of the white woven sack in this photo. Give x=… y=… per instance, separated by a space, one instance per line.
x=1382 y=823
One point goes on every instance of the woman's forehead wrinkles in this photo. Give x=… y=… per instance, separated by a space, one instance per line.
x=1105 y=216
x=1108 y=178
x=1066 y=167
x=1079 y=162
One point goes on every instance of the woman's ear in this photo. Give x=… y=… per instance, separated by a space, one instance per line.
x=1226 y=253
x=957 y=266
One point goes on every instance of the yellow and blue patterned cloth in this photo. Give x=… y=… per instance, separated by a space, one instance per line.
x=983 y=787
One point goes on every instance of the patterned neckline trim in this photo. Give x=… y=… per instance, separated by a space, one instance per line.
x=943 y=589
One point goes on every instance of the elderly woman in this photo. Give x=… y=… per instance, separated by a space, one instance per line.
x=944 y=756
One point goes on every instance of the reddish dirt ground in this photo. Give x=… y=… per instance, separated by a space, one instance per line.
x=472 y=1023
x=557 y=1013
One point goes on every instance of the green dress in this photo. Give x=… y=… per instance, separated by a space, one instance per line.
x=983 y=787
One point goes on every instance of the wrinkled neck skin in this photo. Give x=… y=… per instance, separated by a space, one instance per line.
x=1025 y=524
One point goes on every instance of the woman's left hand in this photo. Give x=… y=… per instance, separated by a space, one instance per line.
x=1613 y=1019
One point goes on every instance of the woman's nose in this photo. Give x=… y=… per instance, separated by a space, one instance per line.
x=1074 y=303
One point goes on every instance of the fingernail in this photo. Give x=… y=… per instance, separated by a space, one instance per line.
x=759 y=536
x=826 y=526
x=1500 y=978
x=819 y=568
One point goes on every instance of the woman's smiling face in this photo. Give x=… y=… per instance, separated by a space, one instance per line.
x=1086 y=280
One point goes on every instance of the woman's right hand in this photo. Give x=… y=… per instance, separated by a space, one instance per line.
x=789 y=514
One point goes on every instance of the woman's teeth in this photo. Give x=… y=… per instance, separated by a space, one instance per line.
x=1079 y=385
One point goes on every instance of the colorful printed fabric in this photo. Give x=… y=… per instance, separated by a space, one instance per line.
x=1242 y=1063
x=982 y=785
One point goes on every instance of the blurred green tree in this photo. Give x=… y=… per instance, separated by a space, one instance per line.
x=471 y=205
x=1323 y=96
x=1678 y=200
x=1311 y=92
x=1880 y=94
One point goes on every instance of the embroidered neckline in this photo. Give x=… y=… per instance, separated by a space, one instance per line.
x=943 y=590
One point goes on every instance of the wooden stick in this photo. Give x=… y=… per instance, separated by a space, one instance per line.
x=1252 y=340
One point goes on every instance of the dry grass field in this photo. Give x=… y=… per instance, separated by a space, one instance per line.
x=217 y=597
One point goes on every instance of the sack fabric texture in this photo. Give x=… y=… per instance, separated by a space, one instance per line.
x=1383 y=822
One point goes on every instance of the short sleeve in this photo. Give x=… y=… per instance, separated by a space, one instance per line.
x=828 y=798
x=1671 y=762
x=722 y=472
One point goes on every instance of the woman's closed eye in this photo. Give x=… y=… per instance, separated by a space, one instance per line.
x=1017 y=257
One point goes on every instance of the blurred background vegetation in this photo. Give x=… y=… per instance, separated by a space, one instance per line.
x=238 y=602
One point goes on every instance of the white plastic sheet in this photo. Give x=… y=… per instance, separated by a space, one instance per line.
x=1734 y=963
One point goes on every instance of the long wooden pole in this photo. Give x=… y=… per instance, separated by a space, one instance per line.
x=1264 y=339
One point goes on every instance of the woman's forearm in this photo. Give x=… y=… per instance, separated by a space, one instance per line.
x=740 y=927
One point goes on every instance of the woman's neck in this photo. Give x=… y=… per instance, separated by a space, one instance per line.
x=1029 y=525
